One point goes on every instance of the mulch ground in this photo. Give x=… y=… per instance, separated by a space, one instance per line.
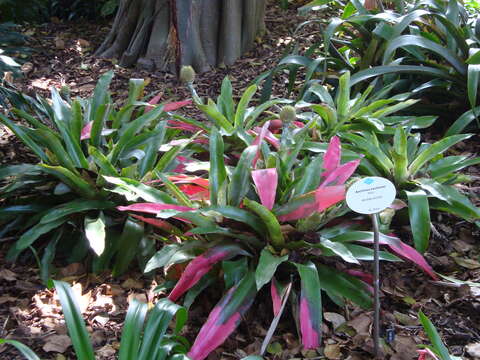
x=31 y=314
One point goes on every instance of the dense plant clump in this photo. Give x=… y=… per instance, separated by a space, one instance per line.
x=12 y=52
x=250 y=198
x=424 y=48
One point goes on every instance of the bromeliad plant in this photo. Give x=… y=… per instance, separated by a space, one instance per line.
x=13 y=51
x=231 y=118
x=423 y=175
x=371 y=110
x=274 y=206
x=144 y=335
x=65 y=197
x=425 y=45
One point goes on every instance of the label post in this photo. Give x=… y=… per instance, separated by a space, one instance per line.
x=370 y=196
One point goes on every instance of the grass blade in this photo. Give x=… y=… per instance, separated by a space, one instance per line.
x=157 y=324
x=25 y=350
x=75 y=324
x=434 y=337
x=132 y=330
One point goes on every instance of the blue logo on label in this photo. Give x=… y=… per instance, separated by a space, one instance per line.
x=369 y=181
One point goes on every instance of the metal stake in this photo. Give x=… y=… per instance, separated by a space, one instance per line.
x=376 y=287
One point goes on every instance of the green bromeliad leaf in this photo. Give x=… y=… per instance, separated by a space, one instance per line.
x=267 y=265
x=419 y=213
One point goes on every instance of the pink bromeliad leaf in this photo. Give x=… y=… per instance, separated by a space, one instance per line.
x=328 y=196
x=331 y=160
x=426 y=353
x=153 y=208
x=201 y=265
x=258 y=141
x=194 y=192
x=315 y=201
x=176 y=105
x=339 y=175
x=405 y=251
x=201 y=140
x=365 y=277
x=269 y=137
x=86 y=131
x=201 y=349
x=276 y=299
x=277 y=124
x=310 y=306
x=177 y=124
x=181 y=167
x=153 y=101
x=224 y=318
x=408 y=252
x=159 y=223
x=167 y=107
x=186 y=179
x=266 y=181
x=309 y=334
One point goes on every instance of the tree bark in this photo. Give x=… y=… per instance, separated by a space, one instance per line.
x=166 y=34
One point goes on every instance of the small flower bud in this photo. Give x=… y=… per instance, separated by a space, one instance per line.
x=187 y=74
x=288 y=114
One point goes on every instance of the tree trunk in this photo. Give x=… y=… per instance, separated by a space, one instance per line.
x=166 y=34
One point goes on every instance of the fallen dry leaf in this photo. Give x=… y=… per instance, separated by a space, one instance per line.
x=8 y=76
x=57 y=343
x=461 y=246
x=405 y=319
x=83 y=300
x=107 y=352
x=7 y=275
x=473 y=350
x=133 y=284
x=334 y=318
x=467 y=263
x=332 y=351
x=101 y=319
x=5 y=299
x=72 y=270
x=361 y=324
x=59 y=44
x=83 y=43
x=27 y=68
x=405 y=348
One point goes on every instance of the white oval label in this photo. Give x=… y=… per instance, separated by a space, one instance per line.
x=370 y=195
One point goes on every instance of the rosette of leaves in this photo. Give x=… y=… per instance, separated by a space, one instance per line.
x=371 y=110
x=232 y=118
x=265 y=218
x=422 y=174
x=425 y=45
x=64 y=199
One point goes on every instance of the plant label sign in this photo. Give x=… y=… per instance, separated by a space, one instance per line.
x=370 y=195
